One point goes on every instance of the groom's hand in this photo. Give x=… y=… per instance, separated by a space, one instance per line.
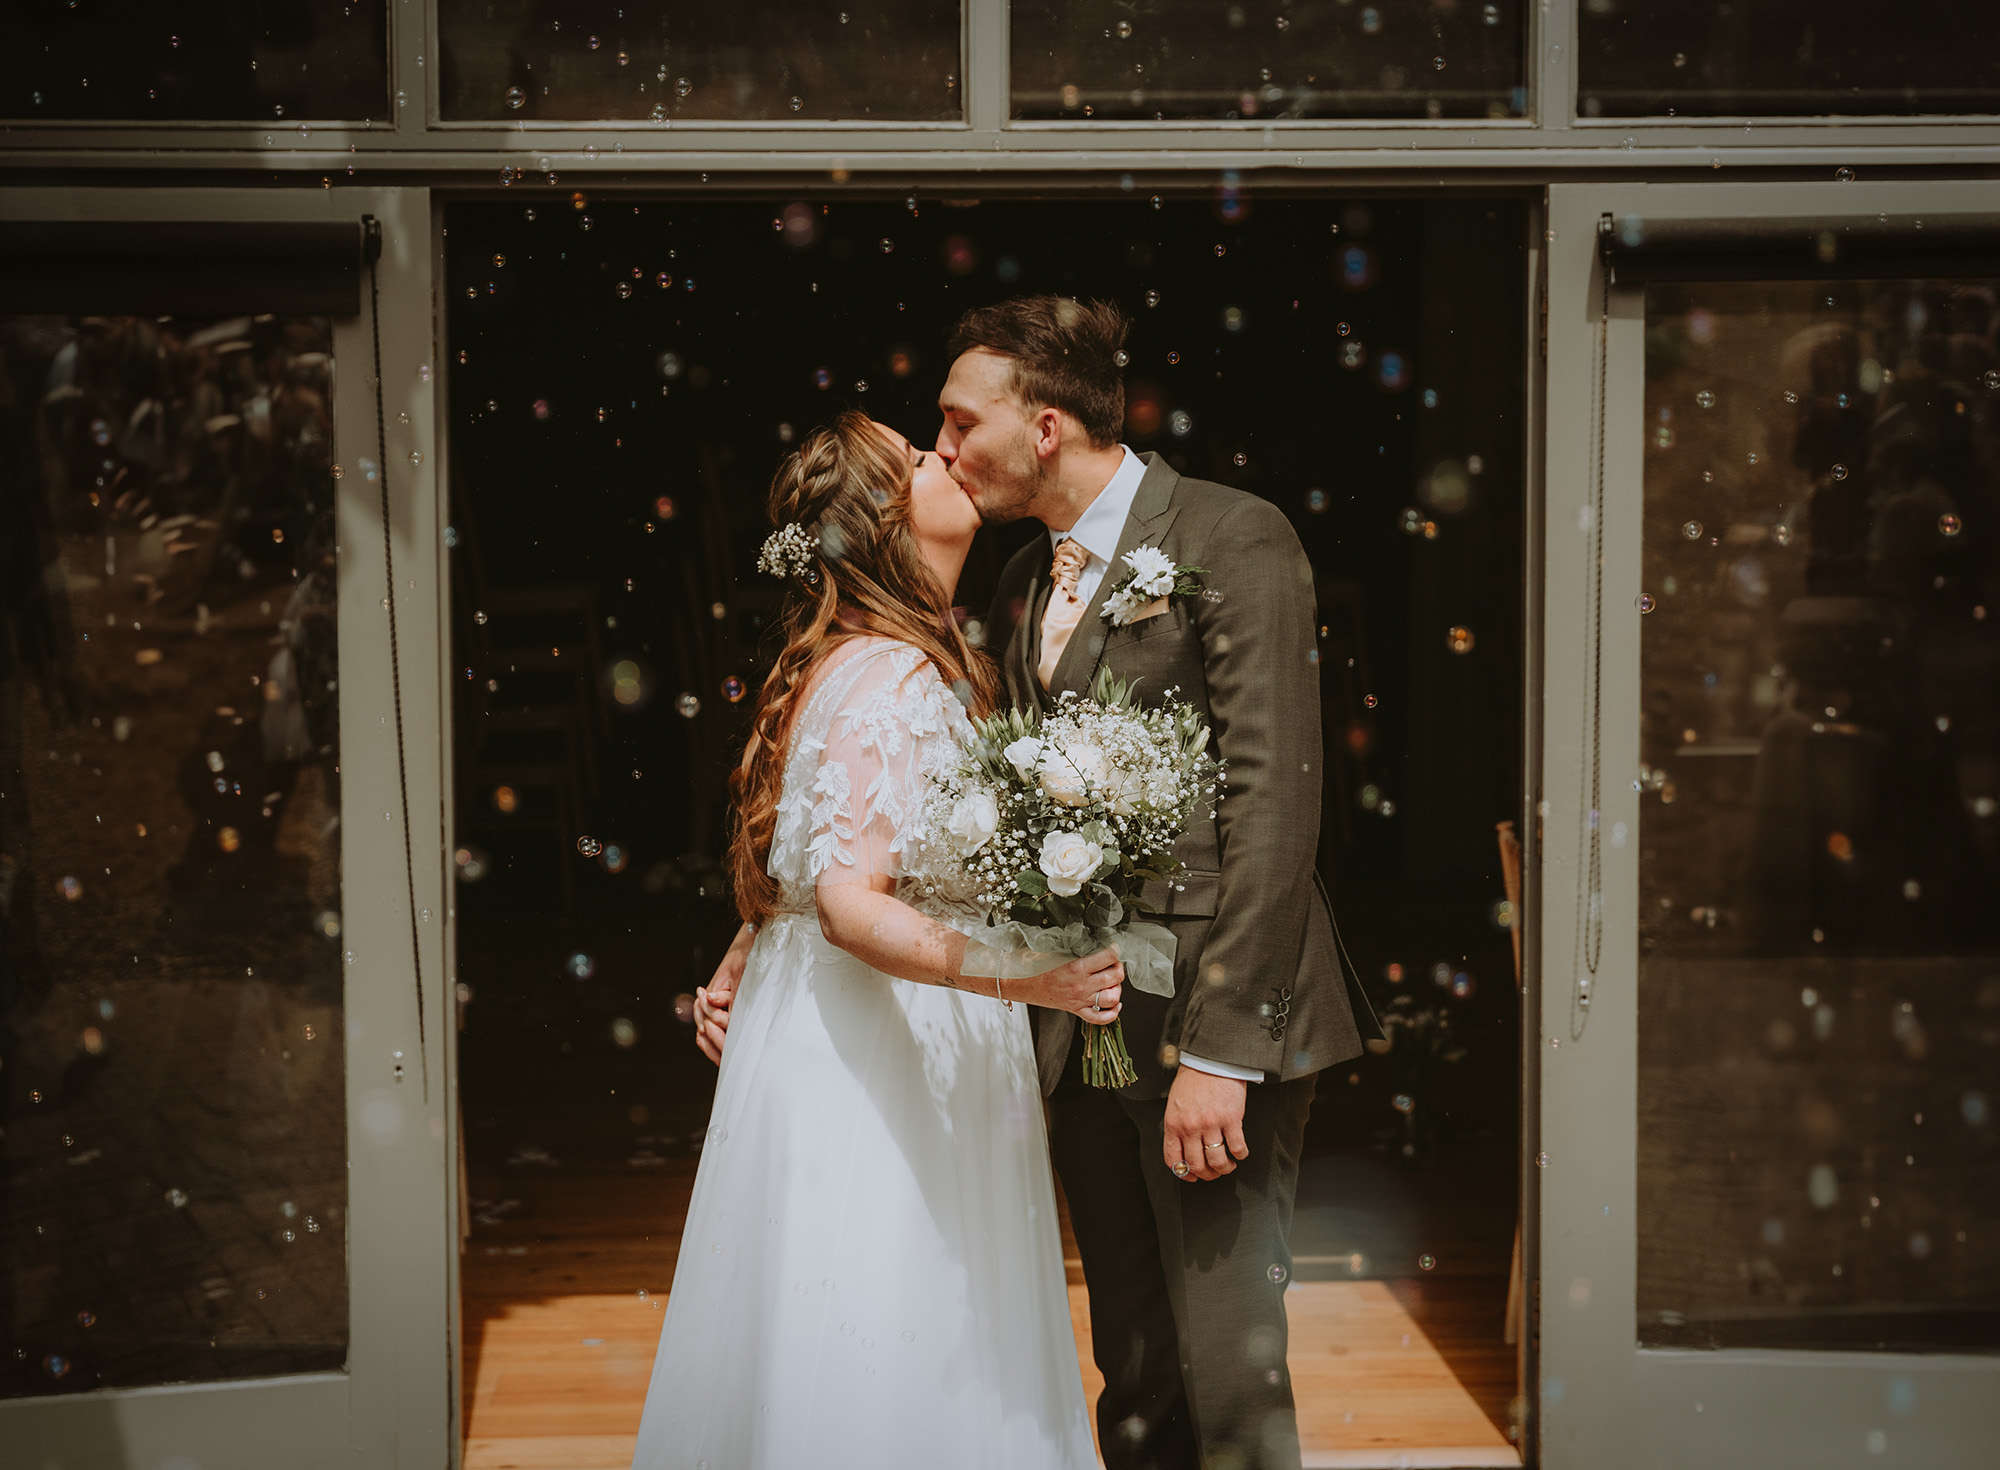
x=1204 y=1109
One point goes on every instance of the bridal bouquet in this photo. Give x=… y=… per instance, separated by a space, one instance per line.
x=1060 y=821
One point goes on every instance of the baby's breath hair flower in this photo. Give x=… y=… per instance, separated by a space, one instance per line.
x=788 y=551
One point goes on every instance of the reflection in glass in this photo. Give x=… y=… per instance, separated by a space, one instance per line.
x=1819 y=1026
x=580 y=60
x=305 y=60
x=1168 y=59
x=1667 y=58
x=173 y=1161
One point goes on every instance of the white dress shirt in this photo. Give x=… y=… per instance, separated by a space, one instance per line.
x=1097 y=531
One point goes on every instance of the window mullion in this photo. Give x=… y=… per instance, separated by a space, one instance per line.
x=986 y=79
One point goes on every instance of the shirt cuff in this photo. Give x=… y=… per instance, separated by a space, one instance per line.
x=1221 y=1069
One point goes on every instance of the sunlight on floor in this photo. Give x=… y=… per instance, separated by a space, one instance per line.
x=555 y=1375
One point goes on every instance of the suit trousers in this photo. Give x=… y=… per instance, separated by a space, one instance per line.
x=1186 y=1278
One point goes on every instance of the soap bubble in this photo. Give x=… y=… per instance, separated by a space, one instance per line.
x=589 y=846
x=1705 y=398
x=1459 y=640
x=733 y=689
x=688 y=705
x=70 y=889
x=631 y=684
x=1427 y=1261
x=581 y=965
x=515 y=98
x=959 y=255
x=1692 y=530
x=1949 y=525
x=625 y=1033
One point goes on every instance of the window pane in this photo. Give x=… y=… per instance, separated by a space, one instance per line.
x=1654 y=58
x=893 y=60
x=221 y=60
x=1165 y=59
x=1819 y=974
x=175 y=1147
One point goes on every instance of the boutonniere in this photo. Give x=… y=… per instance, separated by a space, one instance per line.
x=1154 y=578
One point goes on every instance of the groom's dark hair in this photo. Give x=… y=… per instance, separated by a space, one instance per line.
x=1065 y=354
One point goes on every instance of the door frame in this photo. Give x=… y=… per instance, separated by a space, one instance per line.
x=396 y=1399
x=1603 y=1400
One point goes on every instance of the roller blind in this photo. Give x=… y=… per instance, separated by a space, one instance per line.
x=194 y=268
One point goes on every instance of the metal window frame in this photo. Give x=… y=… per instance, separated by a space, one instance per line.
x=1601 y=1394
x=1551 y=141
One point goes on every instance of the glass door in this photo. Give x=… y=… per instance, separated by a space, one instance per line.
x=226 y=1197
x=1771 y=808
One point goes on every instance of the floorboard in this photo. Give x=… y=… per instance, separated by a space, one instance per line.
x=571 y=1257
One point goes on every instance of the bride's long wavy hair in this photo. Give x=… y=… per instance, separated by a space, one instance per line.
x=850 y=488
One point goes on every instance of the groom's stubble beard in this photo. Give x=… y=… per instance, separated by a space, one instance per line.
x=1014 y=491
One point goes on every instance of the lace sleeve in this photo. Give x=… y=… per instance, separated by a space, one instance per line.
x=868 y=788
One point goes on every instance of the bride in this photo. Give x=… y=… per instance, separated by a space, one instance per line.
x=870 y=1272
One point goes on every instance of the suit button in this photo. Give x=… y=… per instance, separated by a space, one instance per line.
x=1285 y=994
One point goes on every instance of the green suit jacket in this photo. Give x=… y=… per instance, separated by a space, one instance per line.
x=1258 y=980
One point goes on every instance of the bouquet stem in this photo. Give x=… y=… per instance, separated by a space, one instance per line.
x=1106 y=1062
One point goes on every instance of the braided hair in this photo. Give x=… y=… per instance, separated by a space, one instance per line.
x=850 y=489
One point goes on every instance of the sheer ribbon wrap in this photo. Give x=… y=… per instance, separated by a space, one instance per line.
x=1015 y=951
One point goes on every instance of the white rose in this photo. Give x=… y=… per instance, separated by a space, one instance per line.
x=1072 y=770
x=1153 y=570
x=974 y=819
x=1069 y=862
x=1023 y=754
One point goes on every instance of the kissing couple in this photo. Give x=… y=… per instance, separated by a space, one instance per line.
x=871 y=1270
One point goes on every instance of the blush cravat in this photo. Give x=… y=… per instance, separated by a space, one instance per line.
x=1065 y=609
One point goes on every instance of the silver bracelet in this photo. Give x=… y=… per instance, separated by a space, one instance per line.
x=998 y=996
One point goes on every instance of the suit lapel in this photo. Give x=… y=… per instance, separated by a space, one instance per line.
x=1152 y=512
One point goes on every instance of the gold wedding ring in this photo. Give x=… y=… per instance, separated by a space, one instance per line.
x=1211 y=1145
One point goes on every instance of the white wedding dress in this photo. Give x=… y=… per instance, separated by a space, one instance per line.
x=871 y=1272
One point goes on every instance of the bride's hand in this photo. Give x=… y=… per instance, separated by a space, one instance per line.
x=1087 y=988
x=712 y=1001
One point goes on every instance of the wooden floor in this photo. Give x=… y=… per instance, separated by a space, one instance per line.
x=568 y=1265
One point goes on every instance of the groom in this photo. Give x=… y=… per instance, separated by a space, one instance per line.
x=1180 y=1186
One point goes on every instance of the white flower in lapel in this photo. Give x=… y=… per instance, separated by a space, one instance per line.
x=1154 y=575
x=1152 y=570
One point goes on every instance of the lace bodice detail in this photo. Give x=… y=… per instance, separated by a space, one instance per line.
x=875 y=730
